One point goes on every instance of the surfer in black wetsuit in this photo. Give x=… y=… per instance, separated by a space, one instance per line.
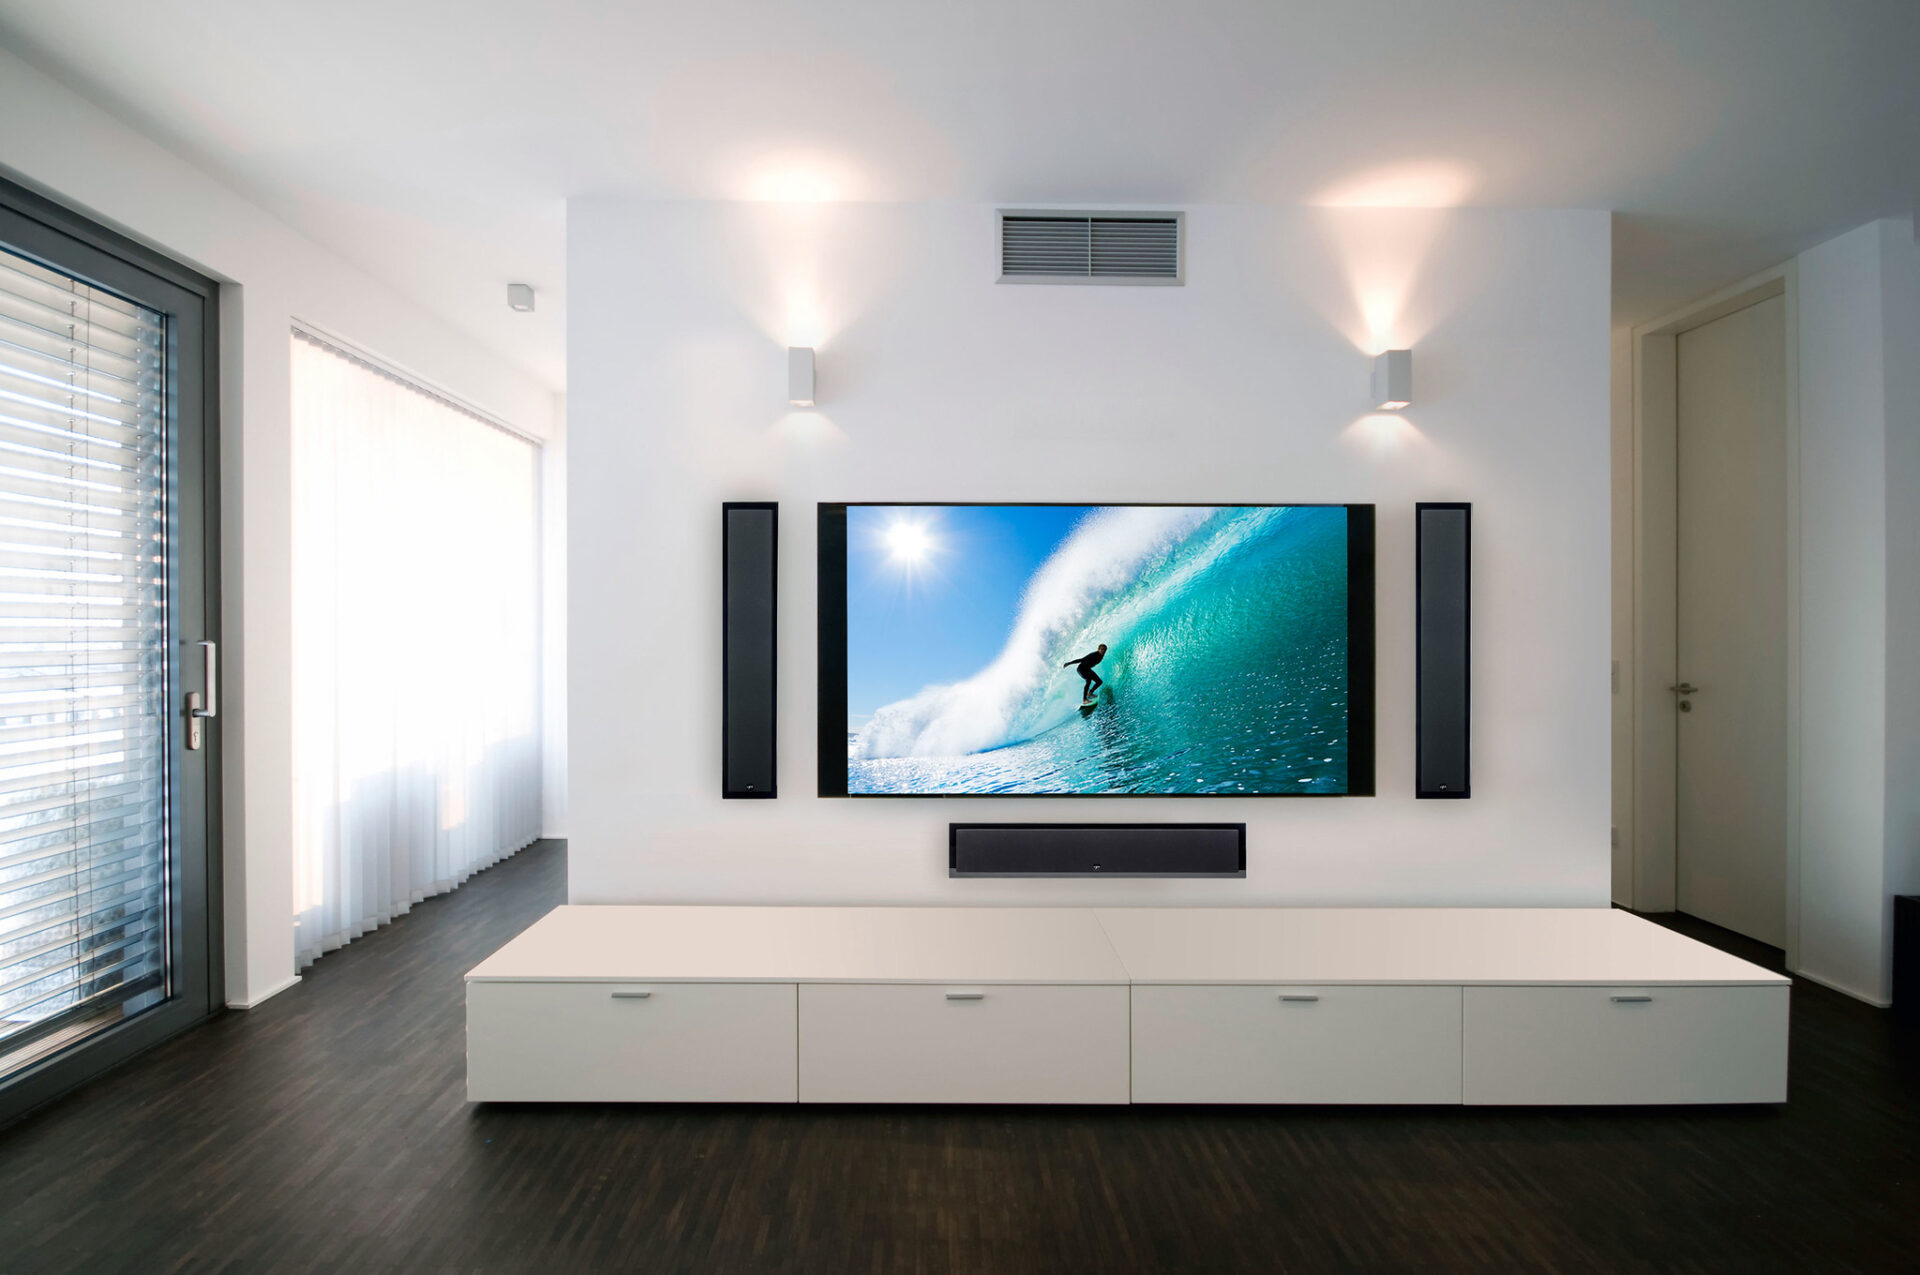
x=1085 y=664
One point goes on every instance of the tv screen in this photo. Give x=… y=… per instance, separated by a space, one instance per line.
x=1096 y=650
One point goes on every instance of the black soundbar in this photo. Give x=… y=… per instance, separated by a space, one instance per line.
x=1096 y=850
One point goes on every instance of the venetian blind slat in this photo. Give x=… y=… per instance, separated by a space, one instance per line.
x=83 y=642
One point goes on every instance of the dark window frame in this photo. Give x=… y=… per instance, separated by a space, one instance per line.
x=34 y=226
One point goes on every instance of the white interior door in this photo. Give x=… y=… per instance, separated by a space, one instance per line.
x=1731 y=700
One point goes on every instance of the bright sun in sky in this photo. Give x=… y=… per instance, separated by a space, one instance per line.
x=908 y=542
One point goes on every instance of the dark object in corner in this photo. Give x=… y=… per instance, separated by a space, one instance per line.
x=750 y=555
x=1906 y=959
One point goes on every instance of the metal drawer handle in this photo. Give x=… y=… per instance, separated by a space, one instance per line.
x=631 y=996
x=966 y=996
x=1297 y=997
x=1630 y=1000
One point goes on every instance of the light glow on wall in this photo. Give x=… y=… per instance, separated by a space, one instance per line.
x=780 y=269
x=802 y=272
x=808 y=429
x=1384 y=435
x=806 y=318
x=1382 y=224
x=1383 y=253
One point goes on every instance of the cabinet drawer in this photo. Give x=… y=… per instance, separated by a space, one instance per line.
x=641 y=1042
x=1296 y=1044
x=932 y=1043
x=1574 y=1045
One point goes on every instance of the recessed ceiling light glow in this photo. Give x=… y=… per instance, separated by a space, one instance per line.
x=1437 y=183
x=799 y=179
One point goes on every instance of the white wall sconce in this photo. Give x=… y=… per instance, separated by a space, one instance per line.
x=800 y=375
x=1393 y=380
x=520 y=297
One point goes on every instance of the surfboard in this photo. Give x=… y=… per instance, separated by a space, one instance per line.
x=1088 y=705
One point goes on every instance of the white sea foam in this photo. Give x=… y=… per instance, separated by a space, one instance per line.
x=1021 y=693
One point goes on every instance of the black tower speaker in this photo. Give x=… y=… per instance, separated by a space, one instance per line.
x=1443 y=553
x=750 y=557
x=1096 y=849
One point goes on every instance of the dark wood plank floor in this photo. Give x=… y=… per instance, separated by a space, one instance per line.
x=326 y=1131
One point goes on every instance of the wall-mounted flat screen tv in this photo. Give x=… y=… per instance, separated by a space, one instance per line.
x=1096 y=650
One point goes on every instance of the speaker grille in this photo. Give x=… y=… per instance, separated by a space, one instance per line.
x=750 y=555
x=1443 y=595
x=1097 y=849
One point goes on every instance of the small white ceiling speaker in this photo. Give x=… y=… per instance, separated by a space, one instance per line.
x=1393 y=380
x=800 y=375
x=520 y=297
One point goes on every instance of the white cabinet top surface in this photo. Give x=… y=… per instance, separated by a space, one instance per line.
x=636 y=943
x=1498 y=946
x=1559 y=946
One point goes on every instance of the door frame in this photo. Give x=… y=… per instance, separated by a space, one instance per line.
x=1652 y=775
x=75 y=244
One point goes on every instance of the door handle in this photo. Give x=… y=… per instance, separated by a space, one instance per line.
x=1637 y=999
x=203 y=707
x=1297 y=997
x=632 y=996
x=966 y=996
x=1684 y=688
x=210 y=672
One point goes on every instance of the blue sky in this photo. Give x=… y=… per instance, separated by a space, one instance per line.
x=937 y=606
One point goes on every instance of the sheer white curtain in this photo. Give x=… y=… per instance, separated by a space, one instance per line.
x=416 y=604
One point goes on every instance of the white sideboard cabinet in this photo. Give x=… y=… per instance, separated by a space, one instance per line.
x=1513 y=1006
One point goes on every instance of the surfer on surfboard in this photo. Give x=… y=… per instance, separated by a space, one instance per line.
x=1085 y=664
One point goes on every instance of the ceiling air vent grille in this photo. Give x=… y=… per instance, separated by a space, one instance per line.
x=1055 y=247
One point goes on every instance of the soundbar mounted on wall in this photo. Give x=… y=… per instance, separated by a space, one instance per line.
x=749 y=574
x=1443 y=647
x=1096 y=850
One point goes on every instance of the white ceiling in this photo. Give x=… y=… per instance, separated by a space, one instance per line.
x=434 y=142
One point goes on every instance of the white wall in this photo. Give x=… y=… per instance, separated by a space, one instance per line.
x=1900 y=304
x=58 y=142
x=935 y=384
x=1859 y=305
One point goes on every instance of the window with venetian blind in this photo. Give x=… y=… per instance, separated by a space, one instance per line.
x=83 y=660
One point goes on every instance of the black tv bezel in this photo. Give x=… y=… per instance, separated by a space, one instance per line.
x=831 y=734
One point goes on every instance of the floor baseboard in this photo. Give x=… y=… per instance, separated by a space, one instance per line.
x=265 y=996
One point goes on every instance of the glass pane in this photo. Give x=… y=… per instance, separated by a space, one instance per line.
x=83 y=660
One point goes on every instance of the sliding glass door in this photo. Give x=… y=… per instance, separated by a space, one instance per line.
x=108 y=663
